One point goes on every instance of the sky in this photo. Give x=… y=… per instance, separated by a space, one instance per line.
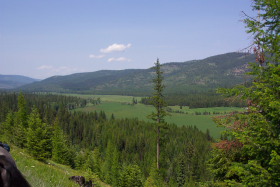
x=41 y=38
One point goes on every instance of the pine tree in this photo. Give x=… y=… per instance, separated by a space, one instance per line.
x=97 y=162
x=181 y=171
x=39 y=142
x=131 y=176
x=60 y=150
x=89 y=162
x=154 y=179
x=8 y=128
x=107 y=169
x=159 y=104
x=115 y=168
x=21 y=124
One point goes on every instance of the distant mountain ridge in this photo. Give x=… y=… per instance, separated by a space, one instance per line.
x=210 y=73
x=14 y=81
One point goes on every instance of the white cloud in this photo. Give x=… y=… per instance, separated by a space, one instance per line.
x=120 y=59
x=115 y=47
x=96 y=56
x=45 y=67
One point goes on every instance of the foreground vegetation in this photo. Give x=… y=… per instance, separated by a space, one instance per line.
x=114 y=150
x=48 y=174
x=251 y=154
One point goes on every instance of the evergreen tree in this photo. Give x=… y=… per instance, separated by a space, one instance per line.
x=80 y=160
x=39 y=142
x=250 y=157
x=60 y=150
x=7 y=127
x=115 y=168
x=181 y=171
x=89 y=162
x=159 y=104
x=131 y=176
x=97 y=162
x=107 y=169
x=20 y=121
x=154 y=179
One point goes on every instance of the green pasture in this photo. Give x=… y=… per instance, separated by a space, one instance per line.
x=140 y=111
x=121 y=107
x=111 y=98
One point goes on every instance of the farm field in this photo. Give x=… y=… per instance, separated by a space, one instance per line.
x=121 y=107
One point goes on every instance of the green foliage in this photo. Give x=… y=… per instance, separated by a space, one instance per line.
x=250 y=156
x=131 y=176
x=116 y=168
x=154 y=179
x=159 y=104
x=107 y=169
x=7 y=129
x=20 y=122
x=96 y=161
x=50 y=174
x=60 y=151
x=39 y=142
x=158 y=100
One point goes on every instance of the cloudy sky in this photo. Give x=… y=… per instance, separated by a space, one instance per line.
x=41 y=38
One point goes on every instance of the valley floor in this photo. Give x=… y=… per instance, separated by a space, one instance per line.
x=122 y=107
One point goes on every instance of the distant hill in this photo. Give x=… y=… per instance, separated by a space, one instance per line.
x=203 y=75
x=14 y=81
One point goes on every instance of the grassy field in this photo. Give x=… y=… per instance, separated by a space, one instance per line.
x=111 y=98
x=121 y=107
x=140 y=111
x=46 y=175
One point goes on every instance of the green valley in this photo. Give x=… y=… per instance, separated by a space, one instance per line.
x=122 y=107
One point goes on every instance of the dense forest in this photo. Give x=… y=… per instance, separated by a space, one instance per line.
x=111 y=149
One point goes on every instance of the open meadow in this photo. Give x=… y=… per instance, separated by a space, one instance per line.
x=122 y=107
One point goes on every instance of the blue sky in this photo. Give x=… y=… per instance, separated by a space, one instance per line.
x=41 y=38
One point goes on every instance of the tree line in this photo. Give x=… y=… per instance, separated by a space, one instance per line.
x=198 y=100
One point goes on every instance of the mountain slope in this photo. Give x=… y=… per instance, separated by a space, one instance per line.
x=192 y=76
x=14 y=81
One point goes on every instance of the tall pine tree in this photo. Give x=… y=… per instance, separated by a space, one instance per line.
x=159 y=104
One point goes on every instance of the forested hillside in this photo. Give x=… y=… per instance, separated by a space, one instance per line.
x=14 y=81
x=114 y=150
x=194 y=76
